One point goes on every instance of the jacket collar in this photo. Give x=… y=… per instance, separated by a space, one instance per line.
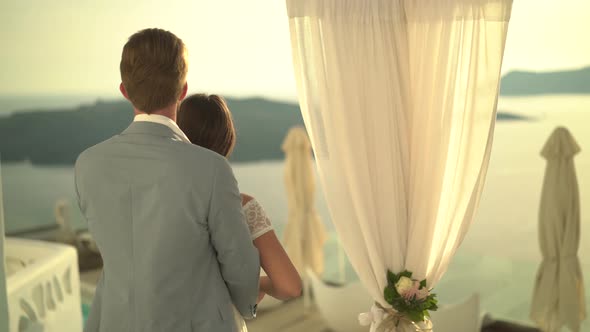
x=152 y=129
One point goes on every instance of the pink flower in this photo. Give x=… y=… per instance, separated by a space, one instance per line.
x=422 y=294
x=415 y=291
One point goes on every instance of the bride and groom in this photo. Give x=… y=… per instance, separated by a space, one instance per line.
x=182 y=247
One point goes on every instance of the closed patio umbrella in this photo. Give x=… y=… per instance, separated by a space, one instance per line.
x=304 y=235
x=558 y=298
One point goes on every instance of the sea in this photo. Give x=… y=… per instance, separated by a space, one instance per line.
x=499 y=257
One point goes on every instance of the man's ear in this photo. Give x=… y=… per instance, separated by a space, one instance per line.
x=123 y=91
x=184 y=91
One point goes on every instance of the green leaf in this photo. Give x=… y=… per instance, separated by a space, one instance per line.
x=406 y=274
x=422 y=284
x=425 y=306
x=391 y=278
x=415 y=316
x=389 y=294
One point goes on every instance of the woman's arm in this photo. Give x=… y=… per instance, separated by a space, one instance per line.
x=282 y=281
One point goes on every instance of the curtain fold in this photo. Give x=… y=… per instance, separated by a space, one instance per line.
x=399 y=99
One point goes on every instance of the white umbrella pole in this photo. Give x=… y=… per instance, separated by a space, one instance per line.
x=306 y=281
x=341 y=262
x=3 y=295
x=306 y=294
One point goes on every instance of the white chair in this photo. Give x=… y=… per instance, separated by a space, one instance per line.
x=341 y=305
x=43 y=286
x=460 y=317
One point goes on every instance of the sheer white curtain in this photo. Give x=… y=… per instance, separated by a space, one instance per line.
x=399 y=98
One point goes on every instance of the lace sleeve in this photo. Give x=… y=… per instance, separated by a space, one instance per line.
x=256 y=218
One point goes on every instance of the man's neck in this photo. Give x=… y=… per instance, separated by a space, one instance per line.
x=169 y=112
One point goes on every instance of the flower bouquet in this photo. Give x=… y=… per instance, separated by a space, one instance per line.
x=409 y=297
x=410 y=301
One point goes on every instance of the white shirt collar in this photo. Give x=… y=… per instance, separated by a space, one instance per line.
x=163 y=120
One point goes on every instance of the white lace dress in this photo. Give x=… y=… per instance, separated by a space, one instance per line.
x=258 y=224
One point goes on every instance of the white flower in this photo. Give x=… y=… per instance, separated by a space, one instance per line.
x=403 y=285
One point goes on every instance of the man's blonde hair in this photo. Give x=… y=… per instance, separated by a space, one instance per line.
x=153 y=69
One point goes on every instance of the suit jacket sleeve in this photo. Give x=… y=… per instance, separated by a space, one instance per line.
x=239 y=260
x=93 y=322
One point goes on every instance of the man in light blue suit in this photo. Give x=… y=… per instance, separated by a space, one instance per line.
x=165 y=214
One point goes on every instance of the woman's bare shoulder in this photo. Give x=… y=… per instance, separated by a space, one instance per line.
x=246 y=198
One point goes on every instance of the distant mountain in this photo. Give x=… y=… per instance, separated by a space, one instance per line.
x=506 y=116
x=57 y=137
x=519 y=83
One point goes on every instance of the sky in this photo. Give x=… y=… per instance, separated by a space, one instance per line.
x=236 y=47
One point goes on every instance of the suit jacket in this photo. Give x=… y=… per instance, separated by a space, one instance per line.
x=166 y=216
